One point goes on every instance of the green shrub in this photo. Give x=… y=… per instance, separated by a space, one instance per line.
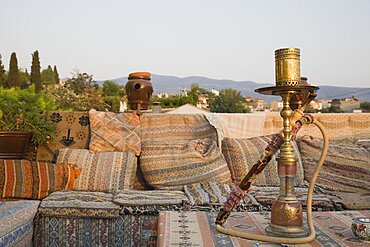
x=25 y=110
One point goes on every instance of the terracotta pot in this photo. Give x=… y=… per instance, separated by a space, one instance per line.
x=139 y=90
x=14 y=144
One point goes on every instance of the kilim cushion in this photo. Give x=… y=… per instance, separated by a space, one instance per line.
x=242 y=154
x=79 y=204
x=16 y=179
x=103 y=171
x=114 y=132
x=346 y=167
x=149 y=197
x=23 y=179
x=167 y=127
x=171 y=165
x=210 y=193
x=53 y=177
x=16 y=222
x=71 y=130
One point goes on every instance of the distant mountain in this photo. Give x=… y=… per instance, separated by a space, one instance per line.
x=173 y=85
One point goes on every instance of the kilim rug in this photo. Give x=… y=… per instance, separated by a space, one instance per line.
x=198 y=228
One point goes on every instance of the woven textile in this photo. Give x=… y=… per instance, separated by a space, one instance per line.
x=337 y=125
x=79 y=204
x=16 y=222
x=242 y=154
x=16 y=179
x=150 y=197
x=266 y=195
x=173 y=165
x=114 y=132
x=198 y=228
x=177 y=127
x=104 y=171
x=23 y=179
x=124 y=230
x=211 y=193
x=346 y=168
x=71 y=130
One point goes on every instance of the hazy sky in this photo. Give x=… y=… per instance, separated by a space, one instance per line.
x=218 y=39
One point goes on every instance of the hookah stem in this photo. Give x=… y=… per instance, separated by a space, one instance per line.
x=303 y=240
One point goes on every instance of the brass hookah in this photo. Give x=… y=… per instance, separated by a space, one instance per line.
x=286 y=225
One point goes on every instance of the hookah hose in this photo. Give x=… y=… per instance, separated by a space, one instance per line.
x=221 y=218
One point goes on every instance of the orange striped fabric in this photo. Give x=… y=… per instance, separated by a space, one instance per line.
x=27 y=180
x=15 y=179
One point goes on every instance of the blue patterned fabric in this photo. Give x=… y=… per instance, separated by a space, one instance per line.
x=125 y=230
x=16 y=222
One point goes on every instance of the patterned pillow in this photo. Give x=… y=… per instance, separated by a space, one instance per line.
x=71 y=130
x=22 y=179
x=242 y=154
x=346 y=167
x=177 y=127
x=53 y=177
x=104 y=171
x=114 y=132
x=174 y=164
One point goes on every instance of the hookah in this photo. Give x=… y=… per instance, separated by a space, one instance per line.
x=286 y=225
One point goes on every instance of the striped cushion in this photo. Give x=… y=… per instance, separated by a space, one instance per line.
x=114 y=132
x=171 y=165
x=242 y=154
x=346 y=167
x=210 y=193
x=17 y=222
x=177 y=127
x=104 y=171
x=22 y=179
x=149 y=197
x=53 y=177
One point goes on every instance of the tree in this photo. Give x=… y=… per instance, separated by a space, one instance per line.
x=332 y=109
x=13 y=75
x=2 y=73
x=110 y=88
x=56 y=75
x=229 y=101
x=81 y=81
x=35 y=71
x=365 y=106
x=47 y=76
x=24 y=78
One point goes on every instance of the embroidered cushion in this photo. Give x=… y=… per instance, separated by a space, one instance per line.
x=114 y=132
x=242 y=154
x=103 y=171
x=23 y=179
x=171 y=165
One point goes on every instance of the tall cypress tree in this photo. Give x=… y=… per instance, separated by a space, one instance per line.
x=35 y=71
x=13 y=76
x=2 y=73
x=56 y=75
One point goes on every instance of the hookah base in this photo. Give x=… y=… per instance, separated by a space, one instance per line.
x=287 y=231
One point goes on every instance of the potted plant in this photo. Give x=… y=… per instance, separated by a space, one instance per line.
x=23 y=120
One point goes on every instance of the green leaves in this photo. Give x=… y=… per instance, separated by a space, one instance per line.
x=24 y=109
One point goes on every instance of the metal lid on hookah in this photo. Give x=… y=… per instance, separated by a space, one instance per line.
x=287 y=67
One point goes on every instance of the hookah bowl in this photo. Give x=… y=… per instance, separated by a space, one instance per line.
x=286 y=212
